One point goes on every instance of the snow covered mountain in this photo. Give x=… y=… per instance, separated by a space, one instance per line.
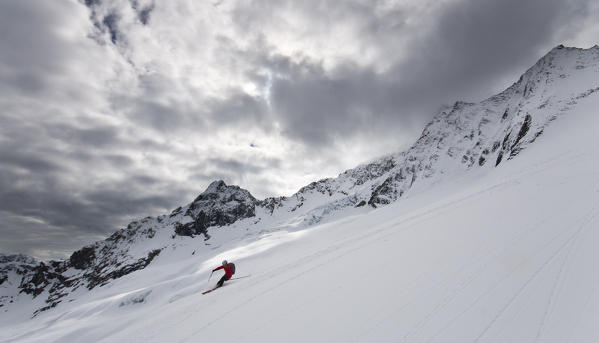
x=469 y=176
x=18 y=264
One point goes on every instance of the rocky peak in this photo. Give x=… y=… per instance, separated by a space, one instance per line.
x=17 y=259
x=218 y=186
x=219 y=191
x=559 y=63
x=18 y=263
x=218 y=205
x=469 y=135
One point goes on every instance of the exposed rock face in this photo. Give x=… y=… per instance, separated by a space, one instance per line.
x=271 y=204
x=105 y=272
x=16 y=260
x=83 y=258
x=219 y=205
x=43 y=275
x=18 y=263
x=467 y=135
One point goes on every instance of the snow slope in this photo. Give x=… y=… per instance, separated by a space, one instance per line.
x=485 y=254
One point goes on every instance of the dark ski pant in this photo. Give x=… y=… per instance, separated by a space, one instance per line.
x=221 y=281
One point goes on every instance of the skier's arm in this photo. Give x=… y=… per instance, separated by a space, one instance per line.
x=221 y=267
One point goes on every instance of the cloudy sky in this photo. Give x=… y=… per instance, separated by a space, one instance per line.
x=112 y=110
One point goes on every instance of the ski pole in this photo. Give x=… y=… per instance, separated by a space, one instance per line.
x=209 y=277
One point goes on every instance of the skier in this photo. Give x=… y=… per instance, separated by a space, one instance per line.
x=229 y=269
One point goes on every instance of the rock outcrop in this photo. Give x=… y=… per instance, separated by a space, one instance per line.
x=218 y=205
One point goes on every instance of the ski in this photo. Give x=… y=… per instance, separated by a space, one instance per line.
x=234 y=278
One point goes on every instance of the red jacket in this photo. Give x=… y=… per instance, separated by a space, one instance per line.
x=227 y=268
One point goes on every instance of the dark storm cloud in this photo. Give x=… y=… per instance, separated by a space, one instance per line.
x=143 y=11
x=239 y=108
x=67 y=224
x=101 y=136
x=27 y=161
x=144 y=14
x=475 y=42
x=37 y=184
x=110 y=24
x=26 y=42
x=23 y=37
x=234 y=166
x=239 y=167
x=234 y=171
x=36 y=238
x=461 y=52
x=91 y=3
x=40 y=197
x=158 y=107
x=317 y=107
x=31 y=189
x=163 y=117
x=105 y=23
x=121 y=161
x=161 y=110
x=145 y=180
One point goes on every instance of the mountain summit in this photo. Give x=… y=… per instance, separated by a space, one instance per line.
x=218 y=205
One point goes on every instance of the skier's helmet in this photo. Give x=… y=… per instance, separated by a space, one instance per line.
x=224 y=262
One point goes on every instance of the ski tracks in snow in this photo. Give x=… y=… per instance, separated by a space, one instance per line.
x=465 y=279
x=554 y=291
x=537 y=272
x=345 y=247
x=301 y=266
x=465 y=276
